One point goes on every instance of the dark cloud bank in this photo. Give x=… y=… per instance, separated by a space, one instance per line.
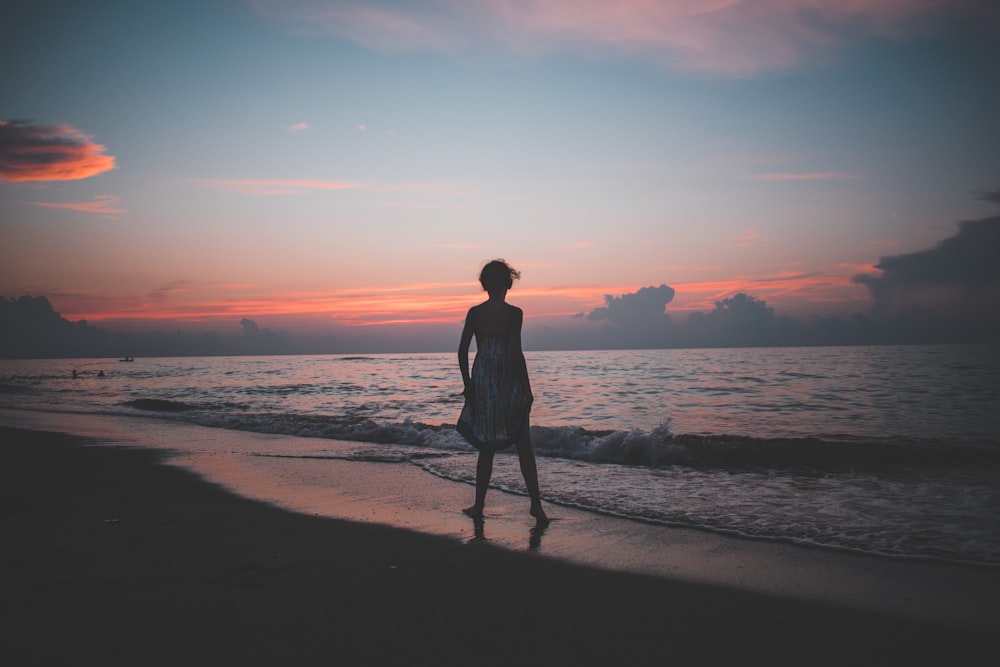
x=946 y=294
x=30 y=328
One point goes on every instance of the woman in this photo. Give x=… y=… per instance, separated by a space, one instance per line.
x=497 y=392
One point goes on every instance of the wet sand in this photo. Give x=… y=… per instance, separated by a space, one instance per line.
x=118 y=554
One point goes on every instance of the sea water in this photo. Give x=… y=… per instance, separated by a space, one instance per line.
x=886 y=450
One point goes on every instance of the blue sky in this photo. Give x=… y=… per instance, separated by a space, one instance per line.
x=345 y=168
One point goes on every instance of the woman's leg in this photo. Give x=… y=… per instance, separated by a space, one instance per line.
x=529 y=469
x=484 y=472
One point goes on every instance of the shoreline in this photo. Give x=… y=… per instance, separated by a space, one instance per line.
x=129 y=526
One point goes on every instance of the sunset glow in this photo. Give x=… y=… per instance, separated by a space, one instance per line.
x=344 y=169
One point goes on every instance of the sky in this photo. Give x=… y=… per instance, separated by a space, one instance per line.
x=661 y=172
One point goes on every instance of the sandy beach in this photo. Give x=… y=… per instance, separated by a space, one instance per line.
x=122 y=555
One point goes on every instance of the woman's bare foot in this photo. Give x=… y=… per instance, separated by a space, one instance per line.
x=475 y=512
x=541 y=518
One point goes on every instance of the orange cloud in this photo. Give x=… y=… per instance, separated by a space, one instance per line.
x=103 y=205
x=445 y=302
x=786 y=290
x=731 y=37
x=855 y=269
x=438 y=303
x=423 y=303
x=299 y=126
x=186 y=302
x=48 y=153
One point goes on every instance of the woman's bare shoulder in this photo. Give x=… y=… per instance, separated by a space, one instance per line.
x=477 y=310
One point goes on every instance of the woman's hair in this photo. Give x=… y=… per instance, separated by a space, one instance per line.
x=498 y=274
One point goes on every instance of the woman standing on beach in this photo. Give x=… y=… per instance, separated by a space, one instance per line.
x=497 y=392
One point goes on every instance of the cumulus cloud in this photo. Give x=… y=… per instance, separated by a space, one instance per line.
x=960 y=270
x=952 y=287
x=638 y=319
x=253 y=334
x=646 y=305
x=732 y=37
x=250 y=327
x=738 y=320
x=30 y=327
x=30 y=152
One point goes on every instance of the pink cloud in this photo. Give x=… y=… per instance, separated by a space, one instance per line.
x=749 y=239
x=731 y=37
x=102 y=205
x=744 y=160
x=431 y=187
x=856 y=268
x=48 y=153
x=299 y=126
x=277 y=187
x=420 y=195
x=161 y=294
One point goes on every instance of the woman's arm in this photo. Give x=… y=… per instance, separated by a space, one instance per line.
x=463 y=352
x=520 y=365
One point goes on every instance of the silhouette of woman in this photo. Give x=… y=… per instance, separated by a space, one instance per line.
x=497 y=393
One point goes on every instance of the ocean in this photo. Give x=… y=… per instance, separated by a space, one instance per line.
x=885 y=450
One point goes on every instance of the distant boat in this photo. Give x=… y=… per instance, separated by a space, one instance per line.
x=127 y=359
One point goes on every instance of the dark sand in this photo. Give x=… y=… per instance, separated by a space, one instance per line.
x=109 y=556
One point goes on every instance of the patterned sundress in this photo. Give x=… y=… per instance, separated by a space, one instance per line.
x=493 y=419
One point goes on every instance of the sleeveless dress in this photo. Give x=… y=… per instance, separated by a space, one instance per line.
x=492 y=420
